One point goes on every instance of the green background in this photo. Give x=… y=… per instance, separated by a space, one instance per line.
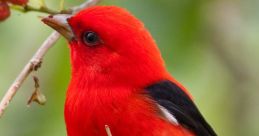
x=211 y=47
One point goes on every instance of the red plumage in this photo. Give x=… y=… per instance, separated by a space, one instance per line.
x=107 y=81
x=119 y=79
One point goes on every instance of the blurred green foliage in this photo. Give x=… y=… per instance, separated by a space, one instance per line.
x=209 y=46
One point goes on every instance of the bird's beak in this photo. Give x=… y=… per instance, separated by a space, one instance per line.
x=60 y=24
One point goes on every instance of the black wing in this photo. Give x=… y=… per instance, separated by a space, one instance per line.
x=173 y=99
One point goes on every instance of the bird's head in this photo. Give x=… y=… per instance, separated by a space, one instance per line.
x=108 y=41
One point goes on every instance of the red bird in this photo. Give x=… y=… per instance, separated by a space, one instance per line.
x=119 y=79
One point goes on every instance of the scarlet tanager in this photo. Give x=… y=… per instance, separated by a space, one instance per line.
x=119 y=79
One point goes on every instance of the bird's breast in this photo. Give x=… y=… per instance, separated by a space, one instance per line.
x=89 y=108
x=126 y=112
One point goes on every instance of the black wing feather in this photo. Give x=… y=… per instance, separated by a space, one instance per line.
x=174 y=99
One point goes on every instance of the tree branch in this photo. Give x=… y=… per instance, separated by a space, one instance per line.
x=36 y=60
x=88 y=3
x=29 y=8
x=108 y=131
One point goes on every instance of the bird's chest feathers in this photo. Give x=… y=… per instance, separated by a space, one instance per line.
x=90 y=107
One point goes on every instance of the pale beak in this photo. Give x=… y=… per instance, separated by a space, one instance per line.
x=60 y=24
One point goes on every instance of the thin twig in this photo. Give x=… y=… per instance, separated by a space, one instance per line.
x=36 y=60
x=41 y=9
x=88 y=3
x=108 y=130
x=44 y=9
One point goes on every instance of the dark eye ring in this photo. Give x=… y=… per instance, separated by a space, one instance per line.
x=91 y=38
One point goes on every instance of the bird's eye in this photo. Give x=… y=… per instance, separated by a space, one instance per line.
x=91 y=38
